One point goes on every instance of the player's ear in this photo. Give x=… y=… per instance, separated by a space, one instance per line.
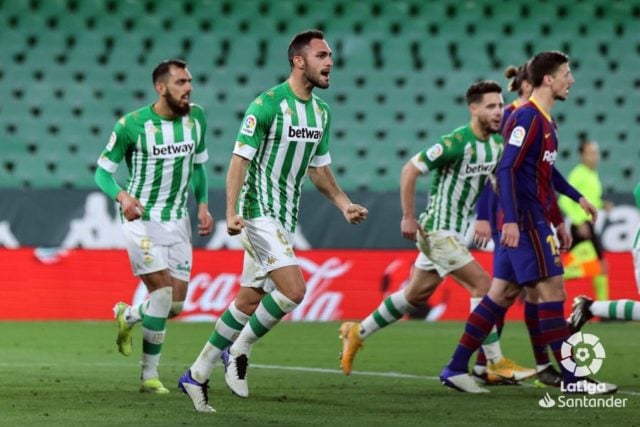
x=161 y=88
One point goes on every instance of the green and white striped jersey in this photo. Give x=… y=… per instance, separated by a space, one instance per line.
x=282 y=136
x=461 y=165
x=160 y=154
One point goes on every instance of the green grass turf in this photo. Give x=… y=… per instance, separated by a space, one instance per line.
x=67 y=374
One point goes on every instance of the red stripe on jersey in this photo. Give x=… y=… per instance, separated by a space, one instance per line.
x=537 y=247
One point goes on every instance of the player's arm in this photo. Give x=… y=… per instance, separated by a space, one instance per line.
x=442 y=153
x=409 y=225
x=518 y=143
x=108 y=163
x=636 y=195
x=199 y=181
x=200 y=190
x=235 y=179
x=482 y=226
x=322 y=177
x=324 y=180
x=253 y=130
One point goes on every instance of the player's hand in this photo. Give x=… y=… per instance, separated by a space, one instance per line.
x=409 y=227
x=235 y=224
x=564 y=237
x=589 y=209
x=481 y=233
x=510 y=235
x=355 y=214
x=205 y=220
x=132 y=209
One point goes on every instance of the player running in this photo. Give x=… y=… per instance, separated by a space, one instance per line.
x=461 y=163
x=283 y=138
x=528 y=255
x=164 y=147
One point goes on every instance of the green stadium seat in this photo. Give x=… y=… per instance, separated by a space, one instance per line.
x=401 y=70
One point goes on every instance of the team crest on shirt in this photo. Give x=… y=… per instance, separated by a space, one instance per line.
x=434 y=152
x=249 y=125
x=447 y=143
x=112 y=141
x=189 y=123
x=517 y=136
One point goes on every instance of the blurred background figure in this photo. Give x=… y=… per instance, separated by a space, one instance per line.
x=585 y=257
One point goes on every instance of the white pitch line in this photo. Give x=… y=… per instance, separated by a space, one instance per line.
x=337 y=371
x=382 y=374
x=261 y=366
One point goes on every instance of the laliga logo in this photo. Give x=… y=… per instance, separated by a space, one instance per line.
x=587 y=351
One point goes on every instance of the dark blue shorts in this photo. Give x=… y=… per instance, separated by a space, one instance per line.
x=536 y=257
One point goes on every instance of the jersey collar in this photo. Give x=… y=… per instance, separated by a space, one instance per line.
x=544 y=113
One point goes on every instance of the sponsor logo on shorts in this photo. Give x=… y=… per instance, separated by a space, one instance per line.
x=249 y=125
x=184 y=267
x=517 y=136
x=434 y=152
x=304 y=134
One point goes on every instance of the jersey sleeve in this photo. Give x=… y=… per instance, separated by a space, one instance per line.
x=636 y=195
x=202 y=154
x=322 y=156
x=116 y=148
x=483 y=206
x=255 y=126
x=520 y=134
x=444 y=152
x=570 y=196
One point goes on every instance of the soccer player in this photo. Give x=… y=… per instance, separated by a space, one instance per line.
x=461 y=163
x=487 y=222
x=585 y=308
x=283 y=138
x=586 y=249
x=164 y=146
x=528 y=255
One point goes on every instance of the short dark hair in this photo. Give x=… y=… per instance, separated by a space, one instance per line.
x=162 y=69
x=300 y=41
x=582 y=145
x=545 y=63
x=477 y=90
x=517 y=75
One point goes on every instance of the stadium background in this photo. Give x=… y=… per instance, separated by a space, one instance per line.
x=70 y=68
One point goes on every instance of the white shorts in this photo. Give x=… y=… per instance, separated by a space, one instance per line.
x=156 y=246
x=267 y=247
x=443 y=252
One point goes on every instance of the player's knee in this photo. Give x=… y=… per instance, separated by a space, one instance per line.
x=416 y=296
x=296 y=295
x=176 y=308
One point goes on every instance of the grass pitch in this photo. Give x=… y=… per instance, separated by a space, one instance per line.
x=70 y=374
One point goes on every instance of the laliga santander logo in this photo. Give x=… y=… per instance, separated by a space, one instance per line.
x=582 y=354
x=208 y=296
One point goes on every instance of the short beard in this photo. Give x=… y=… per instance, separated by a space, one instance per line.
x=175 y=107
x=315 y=82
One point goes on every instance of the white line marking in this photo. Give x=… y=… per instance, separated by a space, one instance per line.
x=261 y=366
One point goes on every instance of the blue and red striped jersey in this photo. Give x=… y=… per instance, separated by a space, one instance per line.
x=526 y=173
